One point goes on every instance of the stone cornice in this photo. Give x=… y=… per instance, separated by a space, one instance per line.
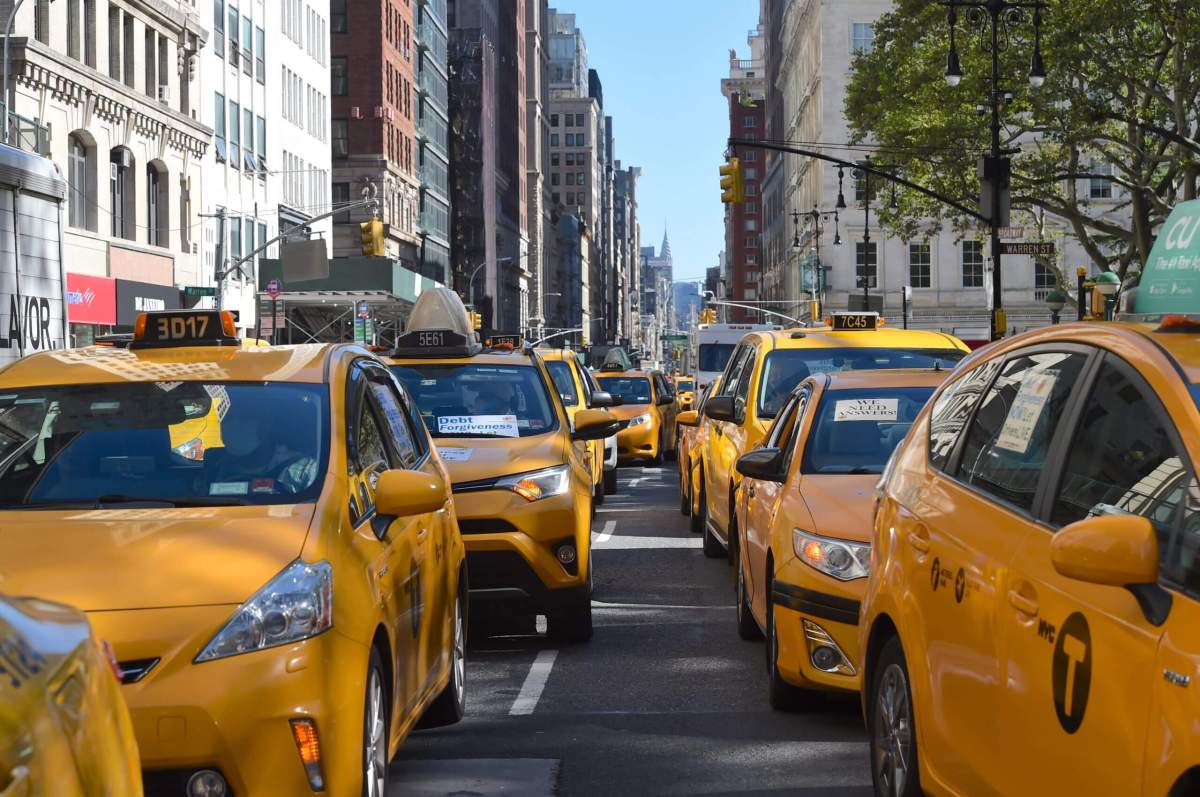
x=34 y=64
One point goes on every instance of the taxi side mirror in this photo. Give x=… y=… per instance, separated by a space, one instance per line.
x=400 y=493
x=764 y=464
x=1115 y=551
x=595 y=425
x=719 y=408
x=688 y=418
x=602 y=399
x=666 y=399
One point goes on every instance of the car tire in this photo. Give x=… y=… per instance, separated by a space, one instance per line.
x=747 y=626
x=449 y=707
x=598 y=493
x=713 y=548
x=573 y=623
x=610 y=482
x=782 y=695
x=673 y=454
x=657 y=459
x=895 y=771
x=375 y=731
x=685 y=495
x=698 y=524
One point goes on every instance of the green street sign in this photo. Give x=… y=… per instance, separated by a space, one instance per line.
x=196 y=291
x=674 y=337
x=1171 y=279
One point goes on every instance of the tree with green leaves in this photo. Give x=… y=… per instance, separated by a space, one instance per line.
x=1121 y=101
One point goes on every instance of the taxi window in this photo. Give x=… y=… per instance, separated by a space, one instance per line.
x=1124 y=460
x=585 y=379
x=856 y=431
x=783 y=369
x=714 y=356
x=952 y=409
x=1004 y=454
x=564 y=383
x=686 y=385
x=738 y=368
x=393 y=417
x=178 y=443
x=633 y=389
x=477 y=400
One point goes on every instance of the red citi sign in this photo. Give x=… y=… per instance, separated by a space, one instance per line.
x=91 y=300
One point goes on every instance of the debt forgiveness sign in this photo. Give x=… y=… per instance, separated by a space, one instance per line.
x=1171 y=279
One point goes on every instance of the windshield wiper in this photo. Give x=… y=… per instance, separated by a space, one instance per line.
x=121 y=498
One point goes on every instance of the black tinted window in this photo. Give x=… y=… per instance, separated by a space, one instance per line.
x=952 y=410
x=855 y=431
x=560 y=372
x=714 y=356
x=1005 y=450
x=392 y=414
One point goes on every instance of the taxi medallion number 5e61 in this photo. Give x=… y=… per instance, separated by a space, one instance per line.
x=431 y=339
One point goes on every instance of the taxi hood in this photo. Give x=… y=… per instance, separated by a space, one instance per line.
x=626 y=412
x=842 y=506
x=474 y=459
x=112 y=559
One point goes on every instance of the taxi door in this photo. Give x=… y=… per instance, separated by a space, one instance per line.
x=1081 y=670
x=668 y=412
x=726 y=439
x=595 y=447
x=389 y=545
x=429 y=584
x=968 y=520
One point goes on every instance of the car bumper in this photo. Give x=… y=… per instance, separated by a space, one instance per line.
x=233 y=714
x=638 y=441
x=816 y=622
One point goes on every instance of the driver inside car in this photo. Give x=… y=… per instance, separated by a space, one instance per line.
x=255 y=454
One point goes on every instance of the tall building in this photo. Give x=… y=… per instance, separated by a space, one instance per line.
x=568 y=57
x=264 y=84
x=109 y=91
x=537 y=158
x=374 y=125
x=744 y=91
x=628 y=246
x=774 y=244
x=433 y=138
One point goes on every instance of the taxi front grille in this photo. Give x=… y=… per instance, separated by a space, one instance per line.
x=485 y=526
x=135 y=670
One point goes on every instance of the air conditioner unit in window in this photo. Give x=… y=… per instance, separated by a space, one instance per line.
x=355 y=112
x=164 y=93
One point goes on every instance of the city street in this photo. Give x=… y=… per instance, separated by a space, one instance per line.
x=666 y=699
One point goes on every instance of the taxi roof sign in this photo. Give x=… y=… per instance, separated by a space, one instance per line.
x=176 y=328
x=855 y=322
x=438 y=327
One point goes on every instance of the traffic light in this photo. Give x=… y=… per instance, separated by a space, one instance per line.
x=731 y=181
x=708 y=315
x=371 y=233
x=476 y=320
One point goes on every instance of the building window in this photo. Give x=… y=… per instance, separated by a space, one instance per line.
x=749 y=121
x=341 y=196
x=114 y=42
x=247 y=42
x=919 y=265
x=863 y=38
x=570 y=178
x=151 y=64
x=219 y=127
x=580 y=179
x=1100 y=187
x=248 y=139
x=752 y=242
x=866 y=264
x=554 y=139
x=89 y=33
x=751 y=225
x=81 y=174
x=750 y=189
x=262 y=238
x=156 y=206
x=570 y=120
x=262 y=146
x=341 y=138
x=185 y=213
x=554 y=158
x=235 y=136
x=554 y=178
x=749 y=207
x=41 y=21
x=555 y=198
x=219 y=28
x=579 y=120
x=130 y=77
x=73 y=29
x=972 y=264
x=235 y=240
x=750 y=173
x=337 y=74
x=554 y=120
x=260 y=55
x=1045 y=279
x=570 y=198
x=121 y=192
x=750 y=157
x=235 y=47
x=580 y=139
x=860 y=189
x=337 y=16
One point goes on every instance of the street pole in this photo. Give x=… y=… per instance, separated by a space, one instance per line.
x=904 y=304
x=994 y=217
x=866 y=242
x=1081 y=277
x=219 y=272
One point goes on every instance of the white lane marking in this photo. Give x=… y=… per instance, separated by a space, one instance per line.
x=652 y=606
x=535 y=682
x=642 y=509
x=606 y=533
x=634 y=482
x=648 y=471
x=631 y=542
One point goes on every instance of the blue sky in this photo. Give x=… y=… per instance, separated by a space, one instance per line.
x=661 y=64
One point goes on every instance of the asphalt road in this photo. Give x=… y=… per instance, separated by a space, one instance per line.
x=665 y=699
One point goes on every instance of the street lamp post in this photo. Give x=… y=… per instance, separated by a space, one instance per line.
x=1056 y=300
x=817 y=218
x=1108 y=284
x=1001 y=14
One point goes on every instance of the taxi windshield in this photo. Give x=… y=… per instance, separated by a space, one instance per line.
x=176 y=443
x=714 y=356
x=633 y=389
x=786 y=368
x=474 y=400
x=685 y=384
x=560 y=372
x=855 y=431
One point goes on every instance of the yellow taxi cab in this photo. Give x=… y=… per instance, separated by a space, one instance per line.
x=688 y=431
x=285 y=600
x=804 y=515
x=520 y=468
x=578 y=390
x=64 y=728
x=648 y=404
x=685 y=391
x=1031 y=623
x=760 y=375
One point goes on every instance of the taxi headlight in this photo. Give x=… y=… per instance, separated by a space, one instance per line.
x=640 y=420
x=538 y=484
x=842 y=559
x=294 y=605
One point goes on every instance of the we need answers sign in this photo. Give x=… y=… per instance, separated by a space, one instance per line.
x=1171 y=279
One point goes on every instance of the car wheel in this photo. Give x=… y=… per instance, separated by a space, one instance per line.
x=573 y=623
x=685 y=491
x=698 y=517
x=610 y=481
x=375 y=732
x=747 y=626
x=672 y=454
x=713 y=548
x=891 y=724
x=782 y=695
x=657 y=459
x=598 y=493
x=451 y=704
